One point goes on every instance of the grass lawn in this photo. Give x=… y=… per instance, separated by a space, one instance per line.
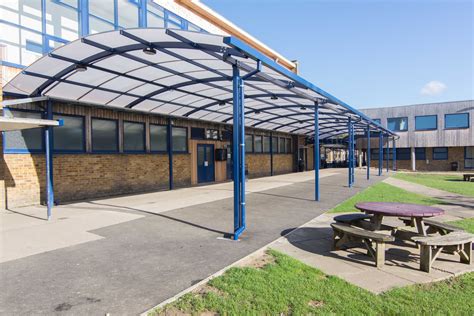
x=466 y=224
x=383 y=192
x=450 y=183
x=288 y=286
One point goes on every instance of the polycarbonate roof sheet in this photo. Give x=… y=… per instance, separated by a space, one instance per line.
x=189 y=76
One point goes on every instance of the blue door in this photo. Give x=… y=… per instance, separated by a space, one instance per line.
x=205 y=163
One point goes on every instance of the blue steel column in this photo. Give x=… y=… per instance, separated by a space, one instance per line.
x=394 y=156
x=142 y=18
x=354 y=159
x=170 y=154
x=242 y=156
x=48 y=137
x=271 y=153
x=368 y=152
x=380 y=153
x=349 y=127
x=83 y=13
x=317 y=194
x=387 y=155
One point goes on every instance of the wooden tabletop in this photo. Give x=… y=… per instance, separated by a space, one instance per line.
x=399 y=209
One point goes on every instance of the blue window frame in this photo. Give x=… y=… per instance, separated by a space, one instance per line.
x=426 y=122
x=440 y=153
x=23 y=141
x=420 y=153
x=133 y=137
x=403 y=153
x=248 y=143
x=469 y=157
x=104 y=135
x=456 y=120
x=158 y=138
x=71 y=137
x=397 y=124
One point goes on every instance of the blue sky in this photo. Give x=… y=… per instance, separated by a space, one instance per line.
x=369 y=53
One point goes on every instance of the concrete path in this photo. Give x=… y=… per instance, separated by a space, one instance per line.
x=135 y=263
x=456 y=206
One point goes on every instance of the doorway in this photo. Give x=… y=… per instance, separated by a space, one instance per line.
x=205 y=163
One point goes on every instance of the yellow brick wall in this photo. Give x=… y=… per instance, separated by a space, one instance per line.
x=283 y=163
x=258 y=165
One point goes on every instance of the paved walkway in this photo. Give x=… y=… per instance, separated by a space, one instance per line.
x=312 y=245
x=125 y=255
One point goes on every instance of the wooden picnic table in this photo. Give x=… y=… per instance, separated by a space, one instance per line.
x=415 y=211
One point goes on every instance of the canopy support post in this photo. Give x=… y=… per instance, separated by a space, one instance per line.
x=238 y=153
x=349 y=152
x=368 y=153
x=48 y=140
x=271 y=153
x=394 y=156
x=354 y=160
x=170 y=153
x=317 y=194
x=387 y=154
x=380 y=153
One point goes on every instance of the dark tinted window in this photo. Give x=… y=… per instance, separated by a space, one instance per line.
x=420 y=153
x=397 y=124
x=258 y=144
x=133 y=136
x=158 y=137
x=440 y=153
x=104 y=135
x=27 y=140
x=249 y=143
x=198 y=133
x=70 y=136
x=426 y=122
x=266 y=144
x=180 y=139
x=403 y=154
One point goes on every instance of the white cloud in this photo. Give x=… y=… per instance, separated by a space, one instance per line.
x=433 y=88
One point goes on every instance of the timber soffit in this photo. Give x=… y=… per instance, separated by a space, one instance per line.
x=184 y=74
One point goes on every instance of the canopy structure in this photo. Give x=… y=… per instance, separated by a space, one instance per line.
x=194 y=75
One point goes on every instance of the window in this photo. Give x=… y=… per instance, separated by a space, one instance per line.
x=397 y=124
x=158 y=138
x=266 y=144
x=133 y=137
x=282 y=146
x=275 y=144
x=249 y=143
x=23 y=141
x=426 y=122
x=440 y=153
x=403 y=153
x=420 y=153
x=127 y=13
x=469 y=157
x=288 y=145
x=226 y=135
x=70 y=136
x=458 y=120
x=62 y=19
x=198 y=133
x=180 y=139
x=155 y=15
x=104 y=135
x=212 y=134
x=258 y=144
x=379 y=121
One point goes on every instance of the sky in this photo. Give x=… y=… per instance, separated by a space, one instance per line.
x=369 y=53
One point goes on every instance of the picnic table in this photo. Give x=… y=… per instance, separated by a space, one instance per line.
x=468 y=176
x=415 y=211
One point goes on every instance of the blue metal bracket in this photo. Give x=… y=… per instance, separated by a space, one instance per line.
x=254 y=72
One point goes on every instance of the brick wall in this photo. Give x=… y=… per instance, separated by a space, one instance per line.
x=283 y=163
x=258 y=165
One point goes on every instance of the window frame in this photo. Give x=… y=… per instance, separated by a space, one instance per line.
x=166 y=139
x=427 y=129
x=424 y=153
x=117 y=132
x=255 y=144
x=23 y=151
x=399 y=117
x=464 y=127
x=269 y=144
x=186 y=151
x=466 y=158
x=251 y=151
x=123 y=138
x=433 y=153
x=84 y=141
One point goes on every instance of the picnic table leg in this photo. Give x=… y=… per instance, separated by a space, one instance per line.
x=376 y=221
x=420 y=226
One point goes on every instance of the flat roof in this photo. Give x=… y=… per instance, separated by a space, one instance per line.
x=184 y=74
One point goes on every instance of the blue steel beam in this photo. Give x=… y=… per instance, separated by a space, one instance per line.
x=349 y=152
x=380 y=153
x=48 y=137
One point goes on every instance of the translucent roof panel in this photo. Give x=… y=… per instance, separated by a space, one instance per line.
x=183 y=74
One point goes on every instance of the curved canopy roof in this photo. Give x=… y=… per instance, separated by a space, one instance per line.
x=183 y=74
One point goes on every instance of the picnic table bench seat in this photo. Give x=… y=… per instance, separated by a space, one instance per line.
x=468 y=176
x=431 y=247
x=434 y=226
x=360 y=220
x=344 y=233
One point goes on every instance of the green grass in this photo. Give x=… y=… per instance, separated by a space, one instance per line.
x=288 y=286
x=466 y=224
x=383 y=192
x=450 y=183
